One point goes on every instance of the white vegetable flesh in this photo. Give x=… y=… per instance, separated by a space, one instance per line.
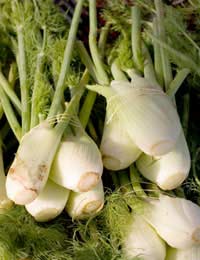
x=50 y=202
x=77 y=165
x=143 y=242
x=170 y=170
x=176 y=220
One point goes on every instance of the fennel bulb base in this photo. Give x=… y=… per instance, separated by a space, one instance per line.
x=88 y=181
x=18 y=193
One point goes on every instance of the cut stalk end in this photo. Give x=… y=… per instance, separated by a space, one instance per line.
x=88 y=181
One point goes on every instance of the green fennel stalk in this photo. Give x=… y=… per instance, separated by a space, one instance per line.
x=58 y=96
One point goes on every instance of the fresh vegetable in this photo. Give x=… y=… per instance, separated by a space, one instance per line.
x=84 y=204
x=50 y=202
x=77 y=165
x=141 y=108
x=142 y=241
x=176 y=220
x=170 y=170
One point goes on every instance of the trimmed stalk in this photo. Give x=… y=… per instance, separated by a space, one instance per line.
x=136 y=37
x=12 y=76
x=102 y=76
x=50 y=202
x=157 y=55
x=38 y=72
x=10 y=115
x=177 y=82
x=21 y=61
x=167 y=72
x=10 y=92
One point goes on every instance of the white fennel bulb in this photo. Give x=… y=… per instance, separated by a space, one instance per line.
x=191 y=253
x=117 y=148
x=29 y=171
x=170 y=170
x=143 y=242
x=78 y=164
x=81 y=205
x=50 y=202
x=146 y=112
x=176 y=220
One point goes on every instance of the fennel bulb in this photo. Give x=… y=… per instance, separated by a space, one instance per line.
x=170 y=170
x=77 y=165
x=143 y=242
x=50 y=202
x=146 y=112
x=81 y=205
x=29 y=171
x=176 y=220
x=191 y=253
x=117 y=148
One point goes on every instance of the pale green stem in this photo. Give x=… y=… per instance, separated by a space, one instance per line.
x=180 y=192
x=85 y=58
x=1 y=110
x=117 y=73
x=4 y=130
x=83 y=82
x=167 y=71
x=157 y=55
x=87 y=106
x=10 y=115
x=194 y=170
x=58 y=95
x=135 y=181
x=177 y=82
x=39 y=70
x=92 y=131
x=10 y=92
x=12 y=76
x=102 y=39
x=186 y=113
x=124 y=182
x=115 y=179
x=136 y=37
x=69 y=112
x=25 y=104
x=149 y=72
x=179 y=55
x=102 y=76
x=153 y=190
